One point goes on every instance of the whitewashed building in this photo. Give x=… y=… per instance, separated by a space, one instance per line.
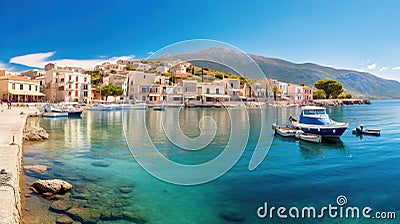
x=19 y=89
x=295 y=92
x=232 y=88
x=137 y=86
x=67 y=84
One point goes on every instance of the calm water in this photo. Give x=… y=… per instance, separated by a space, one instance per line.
x=93 y=155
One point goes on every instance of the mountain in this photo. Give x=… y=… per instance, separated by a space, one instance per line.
x=236 y=62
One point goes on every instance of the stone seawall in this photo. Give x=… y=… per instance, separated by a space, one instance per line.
x=340 y=102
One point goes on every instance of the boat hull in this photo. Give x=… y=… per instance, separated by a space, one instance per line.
x=308 y=137
x=285 y=132
x=367 y=132
x=55 y=114
x=324 y=131
x=74 y=113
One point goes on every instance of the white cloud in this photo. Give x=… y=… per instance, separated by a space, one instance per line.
x=396 y=68
x=39 y=60
x=150 y=53
x=372 y=66
x=32 y=60
x=384 y=69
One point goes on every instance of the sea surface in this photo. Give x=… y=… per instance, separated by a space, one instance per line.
x=93 y=154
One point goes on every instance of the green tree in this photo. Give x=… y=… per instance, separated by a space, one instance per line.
x=345 y=96
x=95 y=76
x=276 y=91
x=219 y=76
x=319 y=94
x=332 y=88
x=129 y=68
x=109 y=90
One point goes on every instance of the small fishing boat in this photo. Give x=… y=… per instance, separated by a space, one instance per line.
x=360 y=130
x=160 y=108
x=308 y=137
x=55 y=114
x=71 y=108
x=284 y=131
x=315 y=120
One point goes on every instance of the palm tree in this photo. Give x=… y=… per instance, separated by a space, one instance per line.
x=276 y=91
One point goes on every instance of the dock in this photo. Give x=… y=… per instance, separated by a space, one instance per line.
x=12 y=123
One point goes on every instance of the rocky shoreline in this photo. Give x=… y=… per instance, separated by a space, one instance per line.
x=340 y=102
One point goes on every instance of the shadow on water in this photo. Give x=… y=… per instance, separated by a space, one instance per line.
x=311 y=150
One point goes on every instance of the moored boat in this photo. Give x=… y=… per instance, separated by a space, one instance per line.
x=308 y=136
x=71 y=109
x=360 y=130
x=284 y=131
x=315 y=120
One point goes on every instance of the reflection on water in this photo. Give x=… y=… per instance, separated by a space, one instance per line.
x=92 y=154
x=312 y=150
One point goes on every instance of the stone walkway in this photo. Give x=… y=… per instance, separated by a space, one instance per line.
x=11 y=126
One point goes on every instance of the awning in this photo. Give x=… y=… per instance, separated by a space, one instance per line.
x=216 y=96
x=25 y=93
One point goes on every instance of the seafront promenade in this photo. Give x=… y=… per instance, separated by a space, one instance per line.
x=12 y=123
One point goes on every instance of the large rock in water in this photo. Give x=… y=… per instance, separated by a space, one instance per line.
x=60 y=206
x=35 y=134
x=50 y=187
x=84 y=215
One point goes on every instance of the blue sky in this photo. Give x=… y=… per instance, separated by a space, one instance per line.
x=362 y=35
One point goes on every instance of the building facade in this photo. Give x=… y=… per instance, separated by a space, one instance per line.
x=20 y=89
x=67 y=84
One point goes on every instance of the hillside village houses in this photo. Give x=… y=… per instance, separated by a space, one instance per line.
x=145 y=84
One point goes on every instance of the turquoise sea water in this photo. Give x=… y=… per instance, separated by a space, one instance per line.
x=92 y=154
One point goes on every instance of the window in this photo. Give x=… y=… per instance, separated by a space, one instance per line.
x=76 y=86
x=76 y=79
x=13 y=86
x=36 y=89
x=85 y=94
x=70 y=78
x=76 y=93
x=21 y=87
x=232 y=85
x=143 y=89
x=30 y=87
x=208 y=90
x=217 y=91
x=85 y=79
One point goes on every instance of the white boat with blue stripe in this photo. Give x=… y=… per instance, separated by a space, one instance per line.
x=315 y=120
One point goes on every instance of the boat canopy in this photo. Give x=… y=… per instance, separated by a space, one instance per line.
x=315 y=116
